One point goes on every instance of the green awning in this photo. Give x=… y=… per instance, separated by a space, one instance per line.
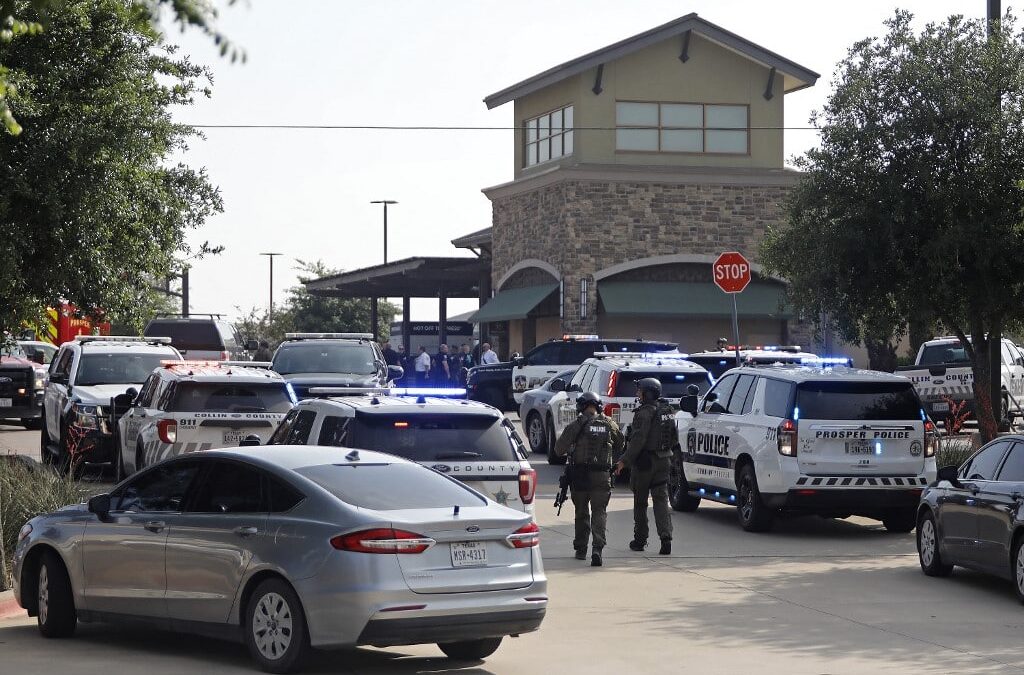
x=638 y=298
x=514 y=303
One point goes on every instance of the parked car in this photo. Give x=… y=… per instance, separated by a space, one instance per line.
x=38 y=352
x=289 y=548
x=972 y=517
x=310 y=360
x=536 y=415
x=22 y=382
x=203 y=336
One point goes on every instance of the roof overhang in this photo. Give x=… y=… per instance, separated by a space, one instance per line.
x=794 y=76
x=411 y=277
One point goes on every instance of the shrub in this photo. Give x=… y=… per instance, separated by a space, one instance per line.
x=26 y=490
x=954 y=450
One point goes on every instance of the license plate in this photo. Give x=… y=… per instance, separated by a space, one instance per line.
x=469 y=554
x=6 y=402
x=233 y=437
x=940 y=407
x=859 y=448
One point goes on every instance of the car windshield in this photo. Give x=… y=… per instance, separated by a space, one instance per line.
x=48 y=351
x=943 y=354
x=218 y=397
x=857 y=401
x=325 y=357
x=119 y=368
x=390 y=487
x=437 y=437
x=673 y=384
x=188 y=335
x=13 y=350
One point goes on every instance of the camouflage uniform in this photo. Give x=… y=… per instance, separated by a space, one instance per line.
x=650 y=464
x=597 y=439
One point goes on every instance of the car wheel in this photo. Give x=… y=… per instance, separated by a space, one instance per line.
x=63 y=459
x=553 y=459
x=928 y=550
x=753 y=515
x=679 y=489
x=901 y=521
x=536 y=433
x=1018 y=568
x=119 y=473
x=275 y=627
x=470 y=650
x=45 y=456
x=56 y=604
x=31 y=423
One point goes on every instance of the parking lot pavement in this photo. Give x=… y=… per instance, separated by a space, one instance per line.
x=16 y=439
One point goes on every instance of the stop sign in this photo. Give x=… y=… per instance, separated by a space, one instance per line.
x=731 y=272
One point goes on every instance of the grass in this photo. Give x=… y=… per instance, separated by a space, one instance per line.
x=953 y=450
x=26 y=490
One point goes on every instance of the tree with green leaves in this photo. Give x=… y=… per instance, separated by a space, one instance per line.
x=92 y=207
x=912 y=205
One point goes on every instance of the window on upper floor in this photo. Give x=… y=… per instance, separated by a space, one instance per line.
x=548 y=136
x=682 y=127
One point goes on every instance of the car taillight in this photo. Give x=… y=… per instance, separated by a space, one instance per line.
x=526 y=536
x=931 y=439
x=787 y=438
x=224 y=356
x=382 y=540
x=612 y=410
x=527 y=485
x=167 y=430
x=613 y=382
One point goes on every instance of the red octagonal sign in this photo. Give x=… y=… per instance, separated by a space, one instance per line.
x=731 y=272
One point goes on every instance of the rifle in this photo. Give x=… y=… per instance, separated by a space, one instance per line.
x=563 y=482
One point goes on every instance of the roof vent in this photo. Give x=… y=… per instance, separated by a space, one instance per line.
x=421 y=399
x=352 y=456
x=374 y=401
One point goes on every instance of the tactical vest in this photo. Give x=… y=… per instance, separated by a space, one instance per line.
x=668 y=437
x=594 y=446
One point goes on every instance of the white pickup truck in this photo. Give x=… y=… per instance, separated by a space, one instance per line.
x=942 y=373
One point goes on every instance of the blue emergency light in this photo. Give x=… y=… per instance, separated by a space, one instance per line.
x=441 y=392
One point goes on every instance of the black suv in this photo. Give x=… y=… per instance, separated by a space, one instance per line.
x=309 y=360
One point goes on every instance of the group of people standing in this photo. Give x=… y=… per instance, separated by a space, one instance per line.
x=448 y=367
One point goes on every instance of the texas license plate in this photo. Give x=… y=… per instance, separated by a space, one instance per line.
x=469 y=554
x=858 y=448
x=6 y=402
x=940 y=407
x=234 y=437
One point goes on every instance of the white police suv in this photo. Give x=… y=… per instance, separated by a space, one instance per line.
x=469 y=441
x=613 y=377
x=806 y=440
x=185 y=406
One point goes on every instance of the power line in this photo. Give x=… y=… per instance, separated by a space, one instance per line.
x=419 y=127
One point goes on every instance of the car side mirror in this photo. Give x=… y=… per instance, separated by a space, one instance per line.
x=689 y=403
x=574 y=388
x=252 y=345
x=250 y=440
x=557 y=384
x=519 y=361
x=950 y=474
x=100 y=505
x=710 y=400
x=396 y=372
x=56 y=378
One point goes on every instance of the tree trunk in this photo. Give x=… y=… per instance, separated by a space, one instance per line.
x=921 y=329
x=881 y=355
x=981 y=364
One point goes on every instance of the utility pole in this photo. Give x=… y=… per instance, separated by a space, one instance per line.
x=184 y=291
x=385 y=202
x=995 y=13
x=271 y=257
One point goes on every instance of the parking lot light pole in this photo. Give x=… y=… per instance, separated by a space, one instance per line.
x=271 y=257
x=385 y=202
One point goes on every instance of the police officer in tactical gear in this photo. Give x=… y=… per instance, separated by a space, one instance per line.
x=593 y=440
x=649 y=458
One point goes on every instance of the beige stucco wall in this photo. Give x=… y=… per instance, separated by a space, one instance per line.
x=713 y=74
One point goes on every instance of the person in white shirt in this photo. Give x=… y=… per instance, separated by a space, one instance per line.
x=422 y=366
x=487 y=357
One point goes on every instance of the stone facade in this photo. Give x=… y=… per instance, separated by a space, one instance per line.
x=582 y=226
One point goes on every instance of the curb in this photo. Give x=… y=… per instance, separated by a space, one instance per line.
x=9 y=607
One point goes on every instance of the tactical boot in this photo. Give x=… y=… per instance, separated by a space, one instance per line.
x=595 y=560
x=581 y=554
x=666 y=547
x=637 y=545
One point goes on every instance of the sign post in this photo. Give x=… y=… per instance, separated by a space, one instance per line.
x=731 y=273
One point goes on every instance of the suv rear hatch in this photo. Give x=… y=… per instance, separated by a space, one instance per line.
x=848 y=428
x=477 y=450
x=195 y=339
x=222 y=414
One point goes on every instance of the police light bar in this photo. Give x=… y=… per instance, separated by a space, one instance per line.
x=170 y=363
x=83 y=339
x=328 y=336
x=643 y=355
x=440 y=392
x=829 y=360
x=581 y=337
x=766 y=348
x=347 y=391
x=246 y=364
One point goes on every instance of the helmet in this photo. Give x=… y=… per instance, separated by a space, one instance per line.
x=651 y=386
x=588 y=398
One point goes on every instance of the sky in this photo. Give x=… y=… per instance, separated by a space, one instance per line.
x=306 y=193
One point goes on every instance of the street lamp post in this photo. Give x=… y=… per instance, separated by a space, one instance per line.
x=385 y=202
x=271 y=257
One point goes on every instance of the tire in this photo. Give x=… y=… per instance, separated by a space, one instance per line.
x=119 y=473
x=679 y=490
x=928 y=553
x=900 y=522
x=45 y=456
x=56 y=615
x=536 y=432
x=1018 y=567
x=470 y=650
x=751 y=511
x=275 y=627
x=553 y=459
x=32 y=423
x=63 y=458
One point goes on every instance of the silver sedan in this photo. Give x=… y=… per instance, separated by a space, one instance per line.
x=287 y=548
x=536 y=414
